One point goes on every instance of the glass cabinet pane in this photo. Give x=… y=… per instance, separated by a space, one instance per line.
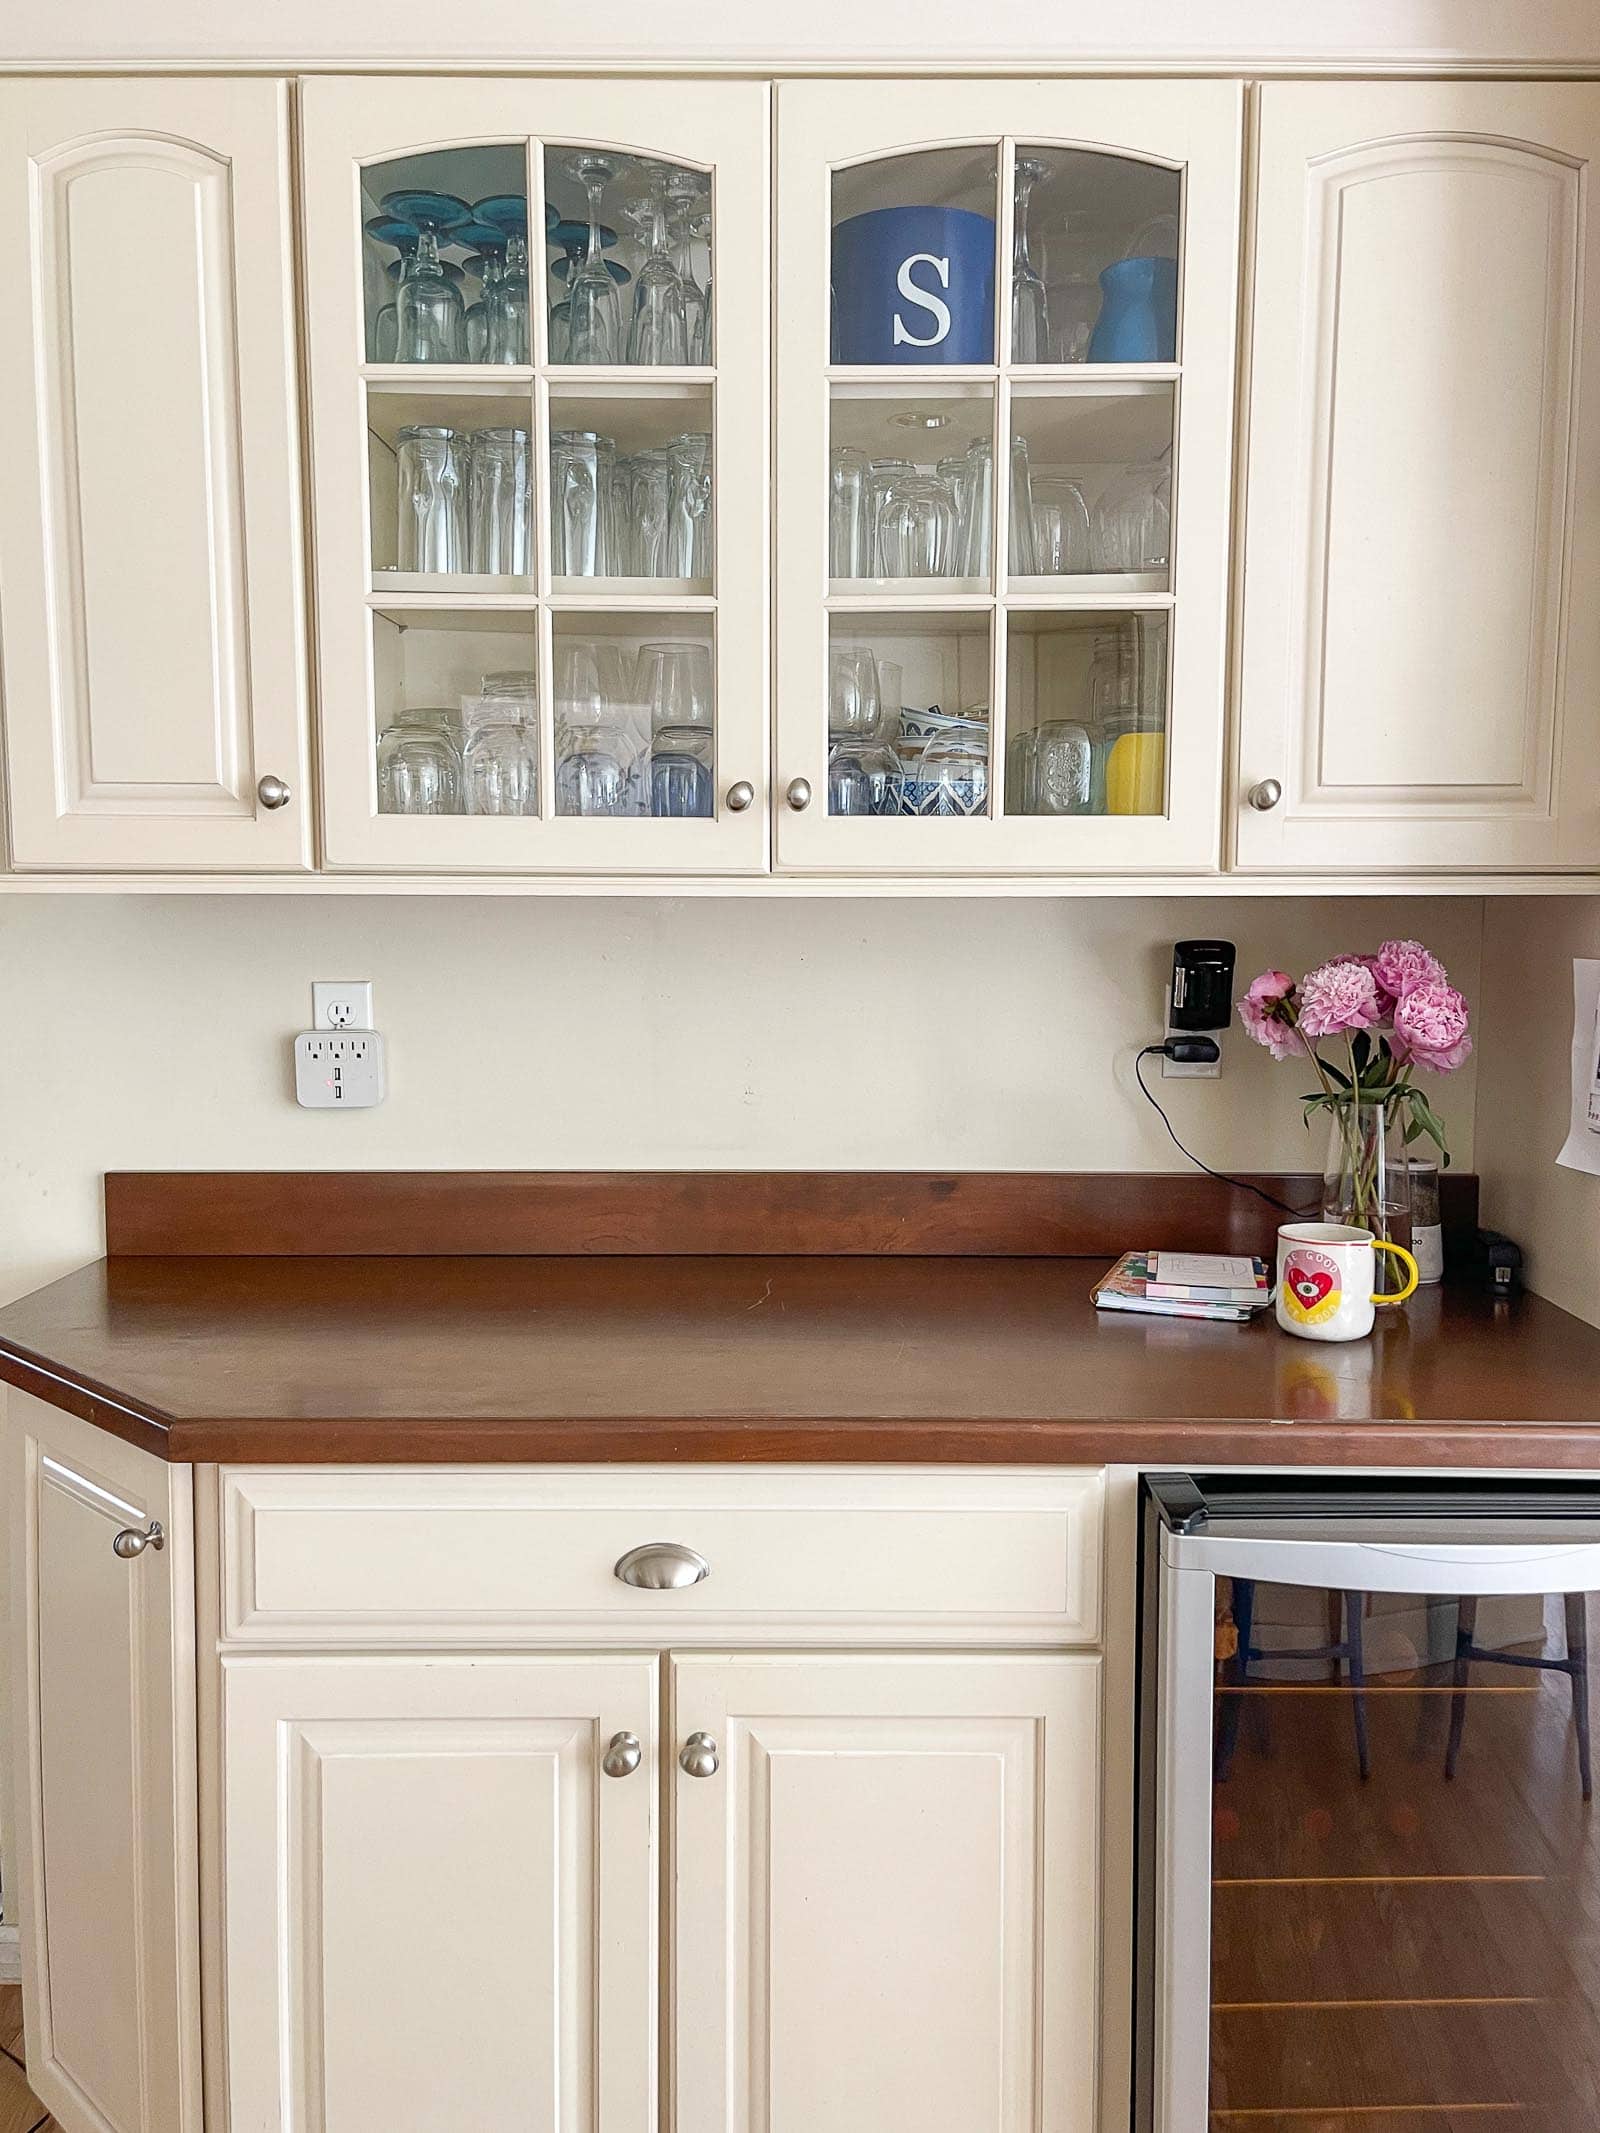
x=630 y=271
x=457 y=726
x=632 y=486
x=908 y=714
x=1094 y=258
x=913 y=258
x=450 y=488
x=1405 y=1876
x=445 y=257
x=911 y=488
x=1086 y=713
x=1094 y=478
x=635 y=716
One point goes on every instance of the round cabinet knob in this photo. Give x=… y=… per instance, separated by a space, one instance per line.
x=623 y=1755
x=740 y=796
x=662 y=1566
x=272 y=792
x=799 y=794
x=698 y=1757
x=1265 y=796
x=131 y=1542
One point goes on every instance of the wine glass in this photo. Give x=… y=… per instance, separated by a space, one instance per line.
x=488 y=261
x=506 y=312
x=402 y=237
x=1030 y=311
x=594 y=316
x=684 y=189
x=430 y=318
x=660 y=330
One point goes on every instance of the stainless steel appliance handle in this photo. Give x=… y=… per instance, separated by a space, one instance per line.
x=1357 y=1564
x=1181 y=2013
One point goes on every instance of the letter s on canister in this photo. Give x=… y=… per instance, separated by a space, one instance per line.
x=936 y=305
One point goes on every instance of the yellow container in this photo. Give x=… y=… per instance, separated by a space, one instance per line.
x=1136 y=774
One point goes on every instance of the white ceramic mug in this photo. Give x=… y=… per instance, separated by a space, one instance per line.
x=1325 y=1280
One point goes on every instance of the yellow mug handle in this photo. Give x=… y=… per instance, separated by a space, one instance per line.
x=1400 y=1252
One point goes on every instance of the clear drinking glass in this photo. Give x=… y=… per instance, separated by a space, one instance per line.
x=419 y=765
x=430 y=318
x=685 y=190
x=499 y=503
x=978 y=500
x=577 y=466
x=1060 y=770
x=855 y=708
x=1030 y=311
x=865 y=777
x=594 y=312
x=849 y=552
x=1060 y=526
x=592 y=775
x=428 y=476
x=916 y=528
x=673 y=679
x=952 y=774
x=659 y=332
x=689 y=521
x=1022 y=560
x=1131 y=528
x=594 y=696
x=650 y=513
x=680 y=772
x=488 y=264
x=882 y=474
x=500 y=764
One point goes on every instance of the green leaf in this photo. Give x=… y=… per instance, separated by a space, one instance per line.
x=1363 y=1051
x=1334 y=1074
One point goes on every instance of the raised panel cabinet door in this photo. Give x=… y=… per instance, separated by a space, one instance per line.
x=442 y=1893
x=1421 y=648
x=102 y=1846
x=885 y=1882
x=155 y=677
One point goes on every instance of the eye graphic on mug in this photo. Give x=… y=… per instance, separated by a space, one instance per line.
x=1311 y=1286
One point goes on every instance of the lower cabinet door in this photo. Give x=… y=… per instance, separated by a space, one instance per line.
x=442 y=1893
x=101 y=1839
x=886 y=1894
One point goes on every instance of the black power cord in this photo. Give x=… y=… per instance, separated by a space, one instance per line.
x=1189 y=1049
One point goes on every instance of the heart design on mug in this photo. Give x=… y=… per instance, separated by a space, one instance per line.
x=1311 y=1288
x=1311 y=1291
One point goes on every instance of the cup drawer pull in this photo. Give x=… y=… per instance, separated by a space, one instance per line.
x=662 y=1566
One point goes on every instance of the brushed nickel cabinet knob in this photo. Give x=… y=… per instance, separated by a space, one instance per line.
x=799 y=794
x=623 y=1755
x=740 y=796
x=1265 y=796
x=272 y=792
x=698 y=1756
x=130 y=1542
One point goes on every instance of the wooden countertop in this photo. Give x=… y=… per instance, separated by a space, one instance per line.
x=902 y=1358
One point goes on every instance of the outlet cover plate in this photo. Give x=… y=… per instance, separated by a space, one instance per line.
x=339 y=1070
x=341 y=1003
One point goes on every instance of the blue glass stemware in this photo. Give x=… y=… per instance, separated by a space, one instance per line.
x=429 y=314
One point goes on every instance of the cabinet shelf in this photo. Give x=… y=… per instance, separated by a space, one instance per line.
x=486 y=378
x=895 y=596
x=1143 y=589
x=643 y=380
x=632 y=596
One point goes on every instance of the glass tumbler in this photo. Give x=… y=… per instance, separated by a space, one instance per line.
x=864 y=778
x=674 y=681
x=428 y=475
x=592 y=775
x=1021 y=559
x=650 y=513
x=500 y=765
x=849 y=551
x=680 y=772
x=1060 y=769
x=576 y=468
x=978 y=510
x=855 y=707
x=499 y=503
x=1131 y=527
x=419 y=765
x=882 y=474
x=916 y=528
x=1060 y=526
x=689 y=519
x=952 y=774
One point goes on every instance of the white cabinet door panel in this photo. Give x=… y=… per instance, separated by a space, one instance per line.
x=149 y=527
x=886 y=1895
x=1419 y=663
x=439 y=1911
x=101 y=1657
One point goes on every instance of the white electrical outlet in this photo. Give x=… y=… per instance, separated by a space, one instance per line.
x=341 y=1003
x=338 y=1070
x=1188 y=1069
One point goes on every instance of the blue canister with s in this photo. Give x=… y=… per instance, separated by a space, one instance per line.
x=914 y=285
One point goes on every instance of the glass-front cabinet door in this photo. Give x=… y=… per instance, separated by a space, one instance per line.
x=1005 y=374
x=540 y=494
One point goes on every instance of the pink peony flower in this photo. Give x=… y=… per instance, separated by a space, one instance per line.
x=1386 y=994
x=1339 y=996
x=1430 y=1028
x=1267 y=1012
x=1401 y=966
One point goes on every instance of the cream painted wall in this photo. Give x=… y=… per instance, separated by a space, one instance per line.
x=151 y=1032
x=1524 y=1094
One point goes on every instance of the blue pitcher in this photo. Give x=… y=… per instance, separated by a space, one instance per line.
x=1138 y=320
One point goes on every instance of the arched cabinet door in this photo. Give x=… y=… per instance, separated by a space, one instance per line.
x=154 y=649
x=539 y=387
x=1421 y=640
x=1004 y=448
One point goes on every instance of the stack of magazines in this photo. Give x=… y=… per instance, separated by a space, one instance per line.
x=1186 y=1285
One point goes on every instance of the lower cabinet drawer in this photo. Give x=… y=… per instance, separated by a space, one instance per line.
x=376 y=1556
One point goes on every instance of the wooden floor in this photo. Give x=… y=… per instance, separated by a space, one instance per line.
x=20 y=2110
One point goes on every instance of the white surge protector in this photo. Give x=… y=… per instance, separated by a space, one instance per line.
x=338 y=1069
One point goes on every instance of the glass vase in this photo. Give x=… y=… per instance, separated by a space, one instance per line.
x=1366 y=1182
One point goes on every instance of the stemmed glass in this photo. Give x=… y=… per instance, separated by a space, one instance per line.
x=660 y=330
x=430 y=325
x=506 y=308
x=1030 y=312
x=684 y=189
x=572 y=240
x=594 y=316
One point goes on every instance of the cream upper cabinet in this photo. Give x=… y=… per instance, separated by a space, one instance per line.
x=1421 y=642
x=539 y=392
x=150 y=519
x=102 y=1853
x=1004 y=438
x=885 y=1889
x=441 y=1893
